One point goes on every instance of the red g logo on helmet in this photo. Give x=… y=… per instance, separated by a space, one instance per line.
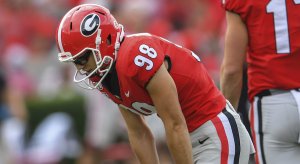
x=89 y=25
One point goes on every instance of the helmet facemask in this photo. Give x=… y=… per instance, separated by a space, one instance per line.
x=103 y=65
x=85 y=79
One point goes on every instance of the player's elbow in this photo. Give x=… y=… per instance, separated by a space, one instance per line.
x=176 y=126
x=179 y=127
x=231 y=71
x=141 y=134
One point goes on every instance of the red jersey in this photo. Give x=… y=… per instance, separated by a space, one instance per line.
x=141 y=55
x=274 y=42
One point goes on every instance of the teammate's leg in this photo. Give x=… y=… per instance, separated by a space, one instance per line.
x=276 y=128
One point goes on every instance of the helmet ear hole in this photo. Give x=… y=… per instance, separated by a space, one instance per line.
x=108 y=40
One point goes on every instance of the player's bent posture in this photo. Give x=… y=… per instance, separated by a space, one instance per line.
x=146 y=74
x=269 y=32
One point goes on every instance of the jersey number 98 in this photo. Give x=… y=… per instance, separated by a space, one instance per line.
x=141 y=60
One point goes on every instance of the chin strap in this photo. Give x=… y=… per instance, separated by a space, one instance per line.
x=119 y=38
x=98 y=39
x=122 y=33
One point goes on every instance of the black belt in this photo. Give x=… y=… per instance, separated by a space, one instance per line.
x=269 y=92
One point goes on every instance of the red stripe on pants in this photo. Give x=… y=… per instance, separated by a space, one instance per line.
x=223 y=138
x=253 y=132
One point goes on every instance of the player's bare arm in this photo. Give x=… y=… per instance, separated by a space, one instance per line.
x=163 y=92
x=236 y=40
x=140 y=137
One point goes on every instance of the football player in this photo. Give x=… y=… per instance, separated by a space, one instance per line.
x=268 y=31
x=146 y=74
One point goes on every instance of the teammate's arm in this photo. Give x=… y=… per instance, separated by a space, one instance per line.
x=236 y=40
x=163 y=92
x=140 y=137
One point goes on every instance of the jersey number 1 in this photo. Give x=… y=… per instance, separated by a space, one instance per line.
x=278 y=8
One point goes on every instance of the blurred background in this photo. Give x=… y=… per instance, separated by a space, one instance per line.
x=44 y=118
